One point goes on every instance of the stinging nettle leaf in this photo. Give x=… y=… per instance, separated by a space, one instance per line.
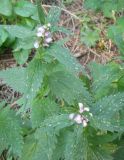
x=10 y=131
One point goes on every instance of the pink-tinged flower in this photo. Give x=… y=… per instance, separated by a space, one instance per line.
x=48 y=40
x=36 y=44
x=84 y=123
x=86 y=109
x=81 y=107
x=71 y=116
x=78 y=119
x=48 y=34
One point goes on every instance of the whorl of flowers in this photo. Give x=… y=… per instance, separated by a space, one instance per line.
x=44 y=36
x=81 y=118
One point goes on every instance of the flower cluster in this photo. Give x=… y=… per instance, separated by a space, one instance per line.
x=80 y=118
x=44 y=36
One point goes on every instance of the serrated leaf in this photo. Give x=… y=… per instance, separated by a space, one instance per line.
x=47 y=135
x=34 y=79
x=103 y=78
x=89 y=37
x=41 y=109
x=66 y=86
x=53 y=16
x=21 y=56
x=63 y=55
x=40 y=11
x=106 y=113
x=10 y=131
x=24 y=8
x=14 y=77
x=18 y=31
x=115 y=32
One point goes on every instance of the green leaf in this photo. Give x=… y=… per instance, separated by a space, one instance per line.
x=118 y=155
x=24 y=8
x=106 y=113
x=10 y=131
x=3 y=36
x=75 y=145
x=47 y=135
x=29 y=149
x=40 y=11
x=53 y=16
x=92 y=4
x=14 y=77
x=89 y=37
x=21 y=56
x=115 y=32
x=109 y=105
x=18 y=31
x=34 y=79
x=61 y=29
x=41 y=109
x=21 y=43
x=64 y=56
x=66 y=86
x=104 y=77
x=6 y=7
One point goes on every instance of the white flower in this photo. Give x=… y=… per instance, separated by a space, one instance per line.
x=41 y=32
x=71 y=116
x=48 y=40
x=36 y=44
x=84 y=123
x=45 y=45
x=91 y=114
x=78 y=119
x=49 y=25
x=81 y=107
x=41 y=29
x=86 y=109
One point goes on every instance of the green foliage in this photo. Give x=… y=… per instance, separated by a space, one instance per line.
x=105 y=78
x=89 y=37
x=52 y=84
x=6 y=7
x=13 y=79
x=107 y=6
x=41 y=13
x=115 y=32
x=68 y=87
x=10 y=131
x=63 y=55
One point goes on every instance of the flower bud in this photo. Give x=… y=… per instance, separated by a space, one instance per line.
x=36 y=44
x=71 y=116
x=86 y=109
x=84 y=123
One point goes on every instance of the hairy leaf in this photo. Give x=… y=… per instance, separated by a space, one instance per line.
x=15 y=78
x=10 y=131
x=66 y=86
